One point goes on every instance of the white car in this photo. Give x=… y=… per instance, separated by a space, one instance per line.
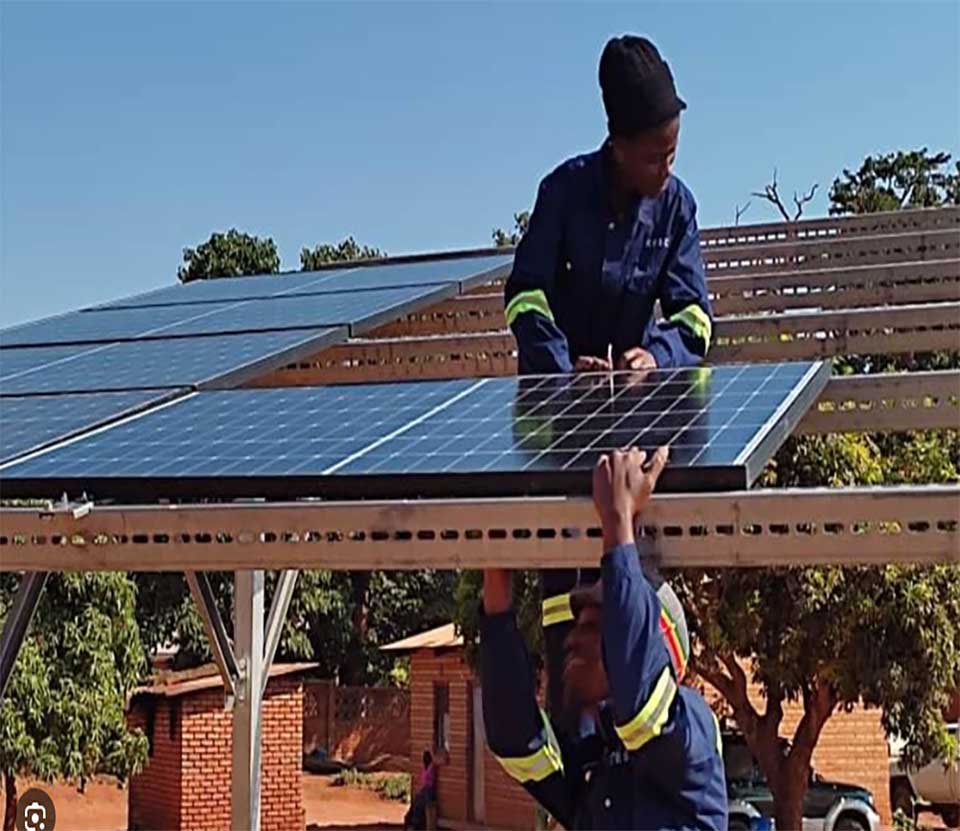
x=934 y=787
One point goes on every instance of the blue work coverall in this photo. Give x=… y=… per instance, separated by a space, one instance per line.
x=653 y=760
x=586 y=278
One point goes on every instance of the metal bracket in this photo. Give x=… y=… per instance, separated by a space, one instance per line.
x=18 y=622
x=275 y=620
x=213 y=625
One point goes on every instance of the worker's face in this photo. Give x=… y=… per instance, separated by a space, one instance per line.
x=646 y=160
x=584 y=678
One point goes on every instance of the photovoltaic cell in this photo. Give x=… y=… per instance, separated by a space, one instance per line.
x=464 y=271
x=28 y=423
x=176 y=362
x=359 y=309
x=453 y=438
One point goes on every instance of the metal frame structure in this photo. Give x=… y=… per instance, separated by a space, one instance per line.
x=848 y=277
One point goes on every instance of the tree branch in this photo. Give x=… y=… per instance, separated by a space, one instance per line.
x=741 y=211
x=801 y=201
x=772 y=195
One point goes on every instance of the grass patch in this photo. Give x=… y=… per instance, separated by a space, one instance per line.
x=392 y=786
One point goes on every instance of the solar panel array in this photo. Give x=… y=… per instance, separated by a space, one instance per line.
x=443 y=438
x=211 y=333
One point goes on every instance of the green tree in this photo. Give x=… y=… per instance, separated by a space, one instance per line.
x=347 y=249
x=505 y=239
x=905 y=179
x=64 y=711
x=229 y=254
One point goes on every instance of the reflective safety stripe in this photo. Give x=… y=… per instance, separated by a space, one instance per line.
x=541 y=763
x=528 y=301
x=697 y=321
x=650 y=721
x=716 y=724
x=674 y=644
x=557 y=609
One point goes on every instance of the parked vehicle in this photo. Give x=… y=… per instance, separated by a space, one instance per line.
x=827 y=806
x=934 y=787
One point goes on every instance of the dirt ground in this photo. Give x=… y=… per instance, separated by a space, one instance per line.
x=103 y=806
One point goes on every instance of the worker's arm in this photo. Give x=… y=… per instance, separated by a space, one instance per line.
x=682 y=338
x=541 y=344
x=518 y=731
x=634 y=654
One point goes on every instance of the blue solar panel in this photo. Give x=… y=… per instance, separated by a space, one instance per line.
x=495 y=435
x=18 y=361
x=360 y=309
x=175 y=362
x=466 y=272
x=32 y=422
x=223 y=289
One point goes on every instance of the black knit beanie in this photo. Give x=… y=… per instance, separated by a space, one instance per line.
x=638 y=89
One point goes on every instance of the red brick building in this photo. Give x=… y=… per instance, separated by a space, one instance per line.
x=186 y=782
x=473 y=790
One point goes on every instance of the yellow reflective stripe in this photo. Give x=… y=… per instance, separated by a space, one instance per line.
x=696 y=320
x=528 y=301
x=716 y=724
x=557 y=610
x=650 y=721
x=541 y=763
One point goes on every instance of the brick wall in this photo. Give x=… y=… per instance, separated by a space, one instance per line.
x=202 y=757
x=507 y=805
x=153 y=797
x=365 y=723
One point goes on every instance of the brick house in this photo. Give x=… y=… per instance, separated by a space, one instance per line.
x=445 y=717
x=186 y=781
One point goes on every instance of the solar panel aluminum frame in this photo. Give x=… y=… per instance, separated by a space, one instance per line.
x=334 y=486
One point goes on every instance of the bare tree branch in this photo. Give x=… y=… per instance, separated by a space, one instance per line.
x=741 y=211
x=800 y=201
x=772 y=195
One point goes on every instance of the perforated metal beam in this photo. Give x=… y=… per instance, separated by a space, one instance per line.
x=749 y=528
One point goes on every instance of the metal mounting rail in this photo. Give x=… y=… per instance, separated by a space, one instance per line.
x=750 y=528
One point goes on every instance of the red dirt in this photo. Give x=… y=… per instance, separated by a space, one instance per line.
x=103 y=807
x=330 y=807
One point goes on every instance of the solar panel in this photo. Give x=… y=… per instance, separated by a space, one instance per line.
x=466 y=272
x=359 y=309
x=222 y=289
x=32 y=422
x=18 y=361
x=495 y=436
x=220 y=360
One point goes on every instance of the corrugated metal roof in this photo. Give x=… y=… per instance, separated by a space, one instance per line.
x=443 y=637
x=207 y=677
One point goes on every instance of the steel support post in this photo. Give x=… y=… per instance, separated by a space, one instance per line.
x=18 y=622
x=248 y=644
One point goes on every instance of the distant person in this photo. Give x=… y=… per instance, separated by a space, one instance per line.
x=425 y=798
x=613 y=232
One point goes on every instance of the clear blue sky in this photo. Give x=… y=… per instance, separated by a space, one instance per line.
x=131 y=130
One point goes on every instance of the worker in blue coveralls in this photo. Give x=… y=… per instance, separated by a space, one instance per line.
x=612 y=232
x=648 y=753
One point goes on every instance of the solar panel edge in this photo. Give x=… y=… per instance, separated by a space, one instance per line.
x=80 y=433
x=786 y=420
x=278 y=360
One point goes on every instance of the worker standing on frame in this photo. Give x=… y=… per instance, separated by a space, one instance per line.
x=648 y=755
x=612 y=232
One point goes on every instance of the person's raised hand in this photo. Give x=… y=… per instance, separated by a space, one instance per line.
x=588 y=363
x=636 y=359
x=623 y=482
